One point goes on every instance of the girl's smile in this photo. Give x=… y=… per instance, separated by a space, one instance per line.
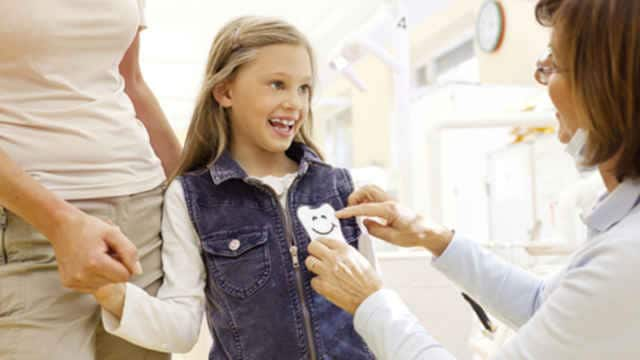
x=283 y=126
x=269 y=100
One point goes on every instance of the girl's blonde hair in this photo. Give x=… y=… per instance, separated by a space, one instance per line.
x=235 y=44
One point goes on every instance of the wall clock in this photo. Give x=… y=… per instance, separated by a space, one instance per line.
x=490 y=26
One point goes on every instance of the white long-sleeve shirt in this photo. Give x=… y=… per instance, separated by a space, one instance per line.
x=587 y=311
x=170 y=322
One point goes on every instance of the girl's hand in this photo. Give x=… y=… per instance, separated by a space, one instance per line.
x=401 y=226
x=111 y=298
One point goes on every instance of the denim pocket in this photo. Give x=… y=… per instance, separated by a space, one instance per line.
x=238 y=260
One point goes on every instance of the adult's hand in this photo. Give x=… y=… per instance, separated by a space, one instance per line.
x=92 y=253
x=401 y=226
x=344 y=276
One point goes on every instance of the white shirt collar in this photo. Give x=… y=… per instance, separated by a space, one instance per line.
x=614 y=206
x=279 y=184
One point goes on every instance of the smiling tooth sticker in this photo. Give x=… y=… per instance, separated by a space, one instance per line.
x=320 y=222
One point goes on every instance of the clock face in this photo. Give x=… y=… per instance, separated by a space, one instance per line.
x=490 y=26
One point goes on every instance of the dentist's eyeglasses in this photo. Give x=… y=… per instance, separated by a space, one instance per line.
x=545 y=67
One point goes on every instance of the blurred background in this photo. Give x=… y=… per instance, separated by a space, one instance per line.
x=433 y=100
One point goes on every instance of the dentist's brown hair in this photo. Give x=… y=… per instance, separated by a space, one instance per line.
x=598 y=44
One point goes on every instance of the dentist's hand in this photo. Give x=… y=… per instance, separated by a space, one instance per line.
x=344 y=276
x=401 y=226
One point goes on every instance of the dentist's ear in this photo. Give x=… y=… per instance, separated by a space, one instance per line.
x=222 y=93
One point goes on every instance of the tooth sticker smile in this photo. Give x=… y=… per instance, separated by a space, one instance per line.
x=320 y=222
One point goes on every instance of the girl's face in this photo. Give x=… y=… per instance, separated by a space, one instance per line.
x=269 y=98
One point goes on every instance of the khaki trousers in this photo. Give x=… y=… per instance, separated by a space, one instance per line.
x=39 y=318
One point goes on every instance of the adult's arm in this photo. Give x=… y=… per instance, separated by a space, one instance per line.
x=393 y=332
x=83 y=244
x=386 y=325
x=592 y=312
x=509 y=292
x=163 y=140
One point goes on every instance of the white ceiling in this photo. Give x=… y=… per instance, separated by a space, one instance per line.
x=176 y=44
x=190 y=24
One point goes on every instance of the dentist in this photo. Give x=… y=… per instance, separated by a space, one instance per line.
x=589 y=309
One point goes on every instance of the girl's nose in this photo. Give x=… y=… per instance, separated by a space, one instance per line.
x=294 y=101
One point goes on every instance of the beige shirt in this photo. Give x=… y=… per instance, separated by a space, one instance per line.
x=64 y=115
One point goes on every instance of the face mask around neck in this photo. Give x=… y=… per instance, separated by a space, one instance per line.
x=576 y=148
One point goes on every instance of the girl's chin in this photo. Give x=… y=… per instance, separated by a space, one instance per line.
x=280 y=145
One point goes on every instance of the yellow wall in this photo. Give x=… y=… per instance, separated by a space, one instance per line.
x=371 y=111
x=439 y=31
x=513 y=63
x=524 y=41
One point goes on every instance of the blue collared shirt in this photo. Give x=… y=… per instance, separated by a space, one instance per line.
x=588 y=310
x=613 y=208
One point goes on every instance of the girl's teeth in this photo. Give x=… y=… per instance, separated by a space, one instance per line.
x=283 y=122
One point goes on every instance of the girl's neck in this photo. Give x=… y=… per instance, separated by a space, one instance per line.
x=260 y=163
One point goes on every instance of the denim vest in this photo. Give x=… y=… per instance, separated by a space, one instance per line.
x=260 y=304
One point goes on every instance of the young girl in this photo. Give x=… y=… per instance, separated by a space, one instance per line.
x=248 y=165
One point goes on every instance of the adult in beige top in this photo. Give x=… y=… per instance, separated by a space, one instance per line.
x=83 y=143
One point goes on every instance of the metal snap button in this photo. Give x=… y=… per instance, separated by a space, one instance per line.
x=234 y=244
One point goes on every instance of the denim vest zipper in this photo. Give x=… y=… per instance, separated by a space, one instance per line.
x=3 y=228
x=293 y=250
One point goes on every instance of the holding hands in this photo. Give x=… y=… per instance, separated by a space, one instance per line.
x=94 y=257
x=92 y=253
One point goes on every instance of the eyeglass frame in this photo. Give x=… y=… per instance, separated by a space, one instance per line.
x=543 y=72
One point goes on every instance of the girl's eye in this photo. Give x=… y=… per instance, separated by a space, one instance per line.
x=277 y=85
x=305 y=89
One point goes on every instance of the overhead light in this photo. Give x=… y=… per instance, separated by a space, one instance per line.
x=339 y=63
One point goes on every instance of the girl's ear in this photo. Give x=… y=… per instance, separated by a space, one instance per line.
x=222 y=94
